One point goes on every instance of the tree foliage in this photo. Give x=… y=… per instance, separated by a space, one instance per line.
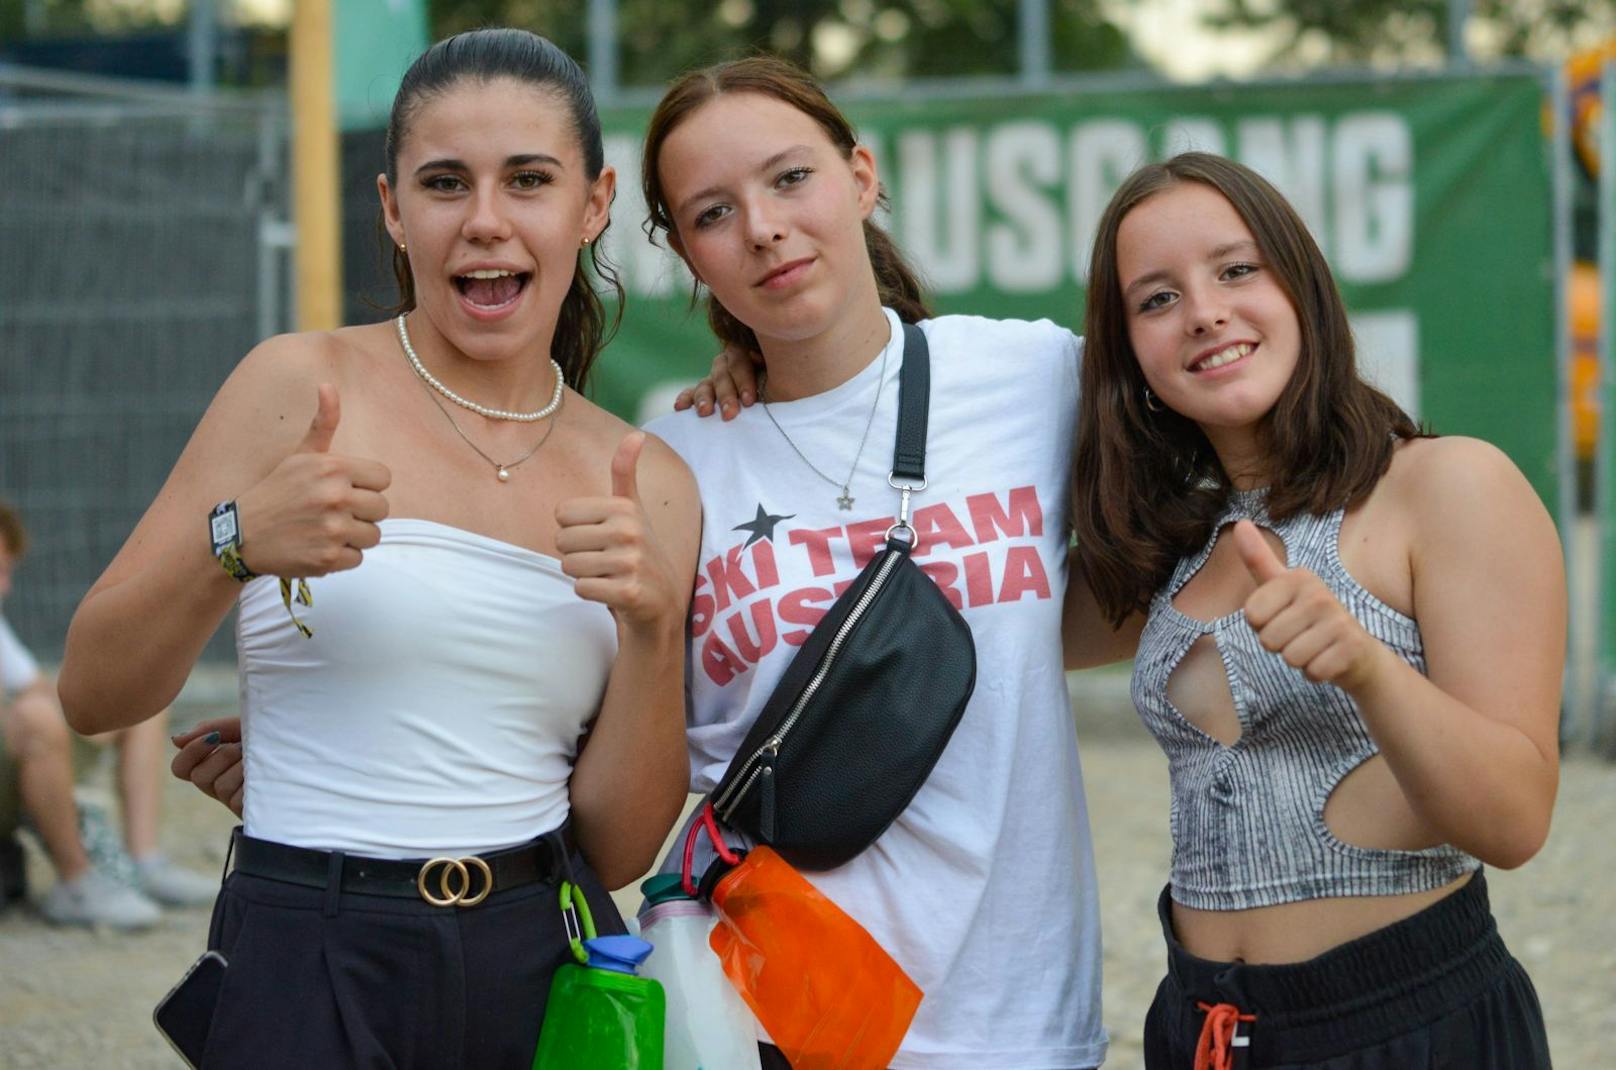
x=1354 y=32
x=833 y=38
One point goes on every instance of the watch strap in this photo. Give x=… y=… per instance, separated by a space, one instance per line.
x=224 y=532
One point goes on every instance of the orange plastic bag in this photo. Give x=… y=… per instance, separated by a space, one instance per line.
x=829 y=996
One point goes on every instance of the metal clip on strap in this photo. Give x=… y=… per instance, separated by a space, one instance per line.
x=909 y=452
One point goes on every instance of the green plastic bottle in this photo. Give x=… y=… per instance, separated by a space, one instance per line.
x=601 y=1015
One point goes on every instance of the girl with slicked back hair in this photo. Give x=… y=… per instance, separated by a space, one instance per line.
x=461 y=591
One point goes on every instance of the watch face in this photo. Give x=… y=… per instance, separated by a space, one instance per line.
x=224 y=528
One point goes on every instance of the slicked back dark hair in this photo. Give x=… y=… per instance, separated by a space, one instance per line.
x=487 y=55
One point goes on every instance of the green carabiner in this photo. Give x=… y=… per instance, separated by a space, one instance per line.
x=579 y=922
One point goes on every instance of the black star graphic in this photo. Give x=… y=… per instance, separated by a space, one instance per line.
x=761 y=526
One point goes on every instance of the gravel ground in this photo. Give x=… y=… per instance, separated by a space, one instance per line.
x=82 y=999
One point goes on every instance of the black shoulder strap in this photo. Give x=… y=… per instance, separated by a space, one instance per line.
x=914 y=398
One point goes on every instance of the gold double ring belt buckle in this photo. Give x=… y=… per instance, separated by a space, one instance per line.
x=454 y=881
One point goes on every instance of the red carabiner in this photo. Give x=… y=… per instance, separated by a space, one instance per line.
x=707 y=821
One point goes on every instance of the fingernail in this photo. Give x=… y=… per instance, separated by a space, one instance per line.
x=746 y=397
x=212 y=737
x=729 y=408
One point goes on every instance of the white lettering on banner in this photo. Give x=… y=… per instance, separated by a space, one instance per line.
x=1374 y=197
x=1023 y=162
x=1013 y=206
x=1290 y=154
x=945 y=244
x=1103 y=153
x=1388 y=345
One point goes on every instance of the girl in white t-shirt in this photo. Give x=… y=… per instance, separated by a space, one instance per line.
x=983 y=889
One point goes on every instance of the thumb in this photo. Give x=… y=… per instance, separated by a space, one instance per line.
x=229 y=729
x=624 y=462
x=323 y=428
x=1259 y=558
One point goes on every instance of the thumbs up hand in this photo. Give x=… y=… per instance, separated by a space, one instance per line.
x=1297 y=617
x=317 y=511
x=608 y=547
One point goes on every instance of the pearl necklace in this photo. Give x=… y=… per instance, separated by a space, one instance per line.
x=481 y=410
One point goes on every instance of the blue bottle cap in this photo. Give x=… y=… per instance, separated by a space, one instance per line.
x=620 y=954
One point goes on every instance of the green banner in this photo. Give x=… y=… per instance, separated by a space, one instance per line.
x=373 y=42
x=1431 y=197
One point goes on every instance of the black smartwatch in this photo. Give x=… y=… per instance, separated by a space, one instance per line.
x=225 y=530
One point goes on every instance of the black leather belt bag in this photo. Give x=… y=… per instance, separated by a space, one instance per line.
x=870 y=700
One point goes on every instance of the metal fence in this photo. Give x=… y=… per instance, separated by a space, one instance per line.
x=142 y=243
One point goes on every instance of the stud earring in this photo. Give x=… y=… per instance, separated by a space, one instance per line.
x=587 y=241
x=403 y=248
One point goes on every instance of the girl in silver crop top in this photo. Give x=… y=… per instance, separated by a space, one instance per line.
x=1350 y=642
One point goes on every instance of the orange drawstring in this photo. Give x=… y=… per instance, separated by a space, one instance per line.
x=1213 y=1050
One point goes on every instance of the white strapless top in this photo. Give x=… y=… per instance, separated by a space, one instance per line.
x=438 y=706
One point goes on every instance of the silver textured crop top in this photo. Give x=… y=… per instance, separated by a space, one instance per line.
x=1248 y=818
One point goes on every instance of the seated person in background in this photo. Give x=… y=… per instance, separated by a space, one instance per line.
x=37 y=741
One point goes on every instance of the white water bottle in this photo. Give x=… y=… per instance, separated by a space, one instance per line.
x=709 y=1026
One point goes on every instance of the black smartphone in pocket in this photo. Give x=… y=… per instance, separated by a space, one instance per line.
x=185 y=1015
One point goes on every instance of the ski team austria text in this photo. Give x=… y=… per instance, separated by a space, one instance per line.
x=969 y=548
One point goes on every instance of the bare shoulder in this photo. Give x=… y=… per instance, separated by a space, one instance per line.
x=665 y=474
x=1456 y=476
x=662 y=473
x=273 y=390
x=1464 y=498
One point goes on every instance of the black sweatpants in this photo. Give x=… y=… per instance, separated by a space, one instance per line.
x=334 y=980
x=1436 y=990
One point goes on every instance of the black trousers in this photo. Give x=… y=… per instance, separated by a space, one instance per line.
x=1436 y=990
x=332 y=980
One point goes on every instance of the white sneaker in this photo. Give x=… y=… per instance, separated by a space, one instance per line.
x=172 y=886
x=96 y=899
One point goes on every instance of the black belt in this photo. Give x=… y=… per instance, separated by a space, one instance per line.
x=442 y=881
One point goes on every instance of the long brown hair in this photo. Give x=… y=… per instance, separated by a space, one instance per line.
x=582 y=327
x=896 y=282
x=1147 y=485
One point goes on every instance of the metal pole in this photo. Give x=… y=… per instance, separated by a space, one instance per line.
x=603 y=49
x=1578 y=677
x=1600 y=732
x=1035 y=64
x=315 y=207
x=202 y=45
x=1458 y=18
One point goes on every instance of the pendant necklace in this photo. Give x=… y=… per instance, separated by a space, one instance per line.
x=844 y=500
x=502 y=472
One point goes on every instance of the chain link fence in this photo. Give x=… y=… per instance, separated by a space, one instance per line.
x=142 y=253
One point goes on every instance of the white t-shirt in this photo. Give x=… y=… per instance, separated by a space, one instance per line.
x=984 y=888
x=18 y=669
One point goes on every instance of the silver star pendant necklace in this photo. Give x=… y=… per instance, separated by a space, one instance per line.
x=433 y=388
x=844 y=500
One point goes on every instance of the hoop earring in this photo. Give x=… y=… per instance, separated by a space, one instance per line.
x=1151 y=403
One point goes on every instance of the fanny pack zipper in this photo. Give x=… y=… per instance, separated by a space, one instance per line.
x=754 y=766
